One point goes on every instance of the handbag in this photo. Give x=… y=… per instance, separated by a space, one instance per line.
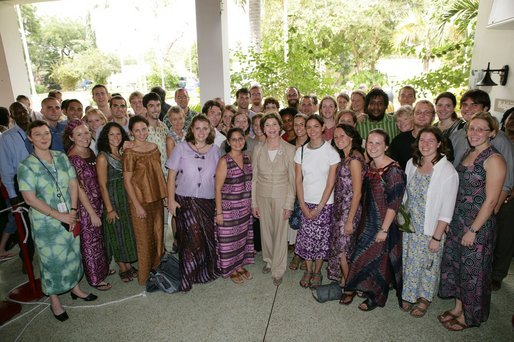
x=295 y=220
x=403 y=218
x=327 y=292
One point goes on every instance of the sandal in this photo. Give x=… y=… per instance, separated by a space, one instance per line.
x=111 y=272
x=125 y=276
x=306 y=279
x=133 y=272
x=455 y=325
x=245 y=274
x=303 y=266
x=236 y=278
x=446 y=316
x=406 y=306
x=367 y=305
x=420 y=311
x=103 y=286
x=316 y=280
x=295 y=263
x=347 y=298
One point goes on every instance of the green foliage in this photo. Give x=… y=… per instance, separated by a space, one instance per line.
x=170 y=77
x=92 y=65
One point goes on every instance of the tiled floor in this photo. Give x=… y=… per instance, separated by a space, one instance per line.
x=253 y=311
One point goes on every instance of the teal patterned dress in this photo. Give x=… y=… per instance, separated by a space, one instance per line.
x=59 y=252
x=420 y=266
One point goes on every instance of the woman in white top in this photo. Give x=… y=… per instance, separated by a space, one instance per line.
x=316 y=164
x=432 y=184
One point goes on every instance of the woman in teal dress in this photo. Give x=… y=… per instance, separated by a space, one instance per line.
x=49 y=186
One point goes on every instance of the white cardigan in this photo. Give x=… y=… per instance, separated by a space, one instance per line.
x=441 y=195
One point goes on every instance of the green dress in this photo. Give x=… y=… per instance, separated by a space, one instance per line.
x=59 y=252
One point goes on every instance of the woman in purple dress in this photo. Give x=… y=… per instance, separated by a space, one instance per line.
x=347 y=201
x=316 y=164
x=377 y=259
x=234 y=233
x=191 y=177
x=466 y=267
x=76 y=139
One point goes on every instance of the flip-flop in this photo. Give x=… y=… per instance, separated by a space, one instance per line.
x=421 y=310
x=445 y=317
x=245 y=274
x=103 y=287
x=455 y=325
x=111 y=271
x=368 y=305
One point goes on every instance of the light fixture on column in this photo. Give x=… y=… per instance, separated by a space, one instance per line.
x=487 y=80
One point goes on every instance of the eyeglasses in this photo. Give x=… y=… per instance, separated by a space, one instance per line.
x=424 y=113
x=478 y=130
x=181 y=97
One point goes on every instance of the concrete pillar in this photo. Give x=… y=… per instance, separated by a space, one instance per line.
x=213 y=52
x=14 y=79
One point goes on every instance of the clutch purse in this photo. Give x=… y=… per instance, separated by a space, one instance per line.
x=403 y=219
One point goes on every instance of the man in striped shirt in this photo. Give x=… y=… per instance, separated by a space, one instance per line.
x=375 y=106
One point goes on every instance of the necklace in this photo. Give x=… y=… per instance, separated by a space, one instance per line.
x=315 y=148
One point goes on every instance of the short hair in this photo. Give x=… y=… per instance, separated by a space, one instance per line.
x=359 y=92
x=135 y=119
x=209 y=104
x=442 y=150
x=302 y=116
x=151 y=96
x=296 y=89
x=356 y=140
x=344 y=96
x=478 y=96
x=161 y=92
x=383 y=133
x=492 y=122
x=272 y=100
x=116 y=97
x=175 y=110
x=407 y=87
x=270 y=116
x=404 y=111
x=99 y=86
x=66 y=103
x=425 y=102
x=255 y=86
x=4 y=117
x=181 y=89
x=54 y=93
x=347 y=111
x=376 y=92
x=94 y=111
x=22 y=98
x=242 y=91
x=36 y=124
x=102 y=143
x=230 y=132
x=288 y=111
x=135 y=94
x=190 y=137
x=46 y=99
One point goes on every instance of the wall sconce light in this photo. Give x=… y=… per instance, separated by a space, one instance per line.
x=487 y=81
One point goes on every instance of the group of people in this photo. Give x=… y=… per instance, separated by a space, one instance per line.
x=387 y=200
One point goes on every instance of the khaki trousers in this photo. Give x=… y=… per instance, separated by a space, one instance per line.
x=273 y=234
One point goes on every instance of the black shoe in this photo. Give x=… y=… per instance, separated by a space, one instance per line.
x=496 y=285
x=62 y=317
x=90 y=297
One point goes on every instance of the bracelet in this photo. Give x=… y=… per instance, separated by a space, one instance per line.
x=73 y=209
x=383 y=231
x=219 y=214
x=472 y=230
x=434 y=238
x=109 y=211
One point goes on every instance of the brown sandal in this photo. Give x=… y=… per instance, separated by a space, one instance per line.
x=306 y=279
x=245 y=274
x=455 y=325
x=347 y=298
x=125 y=276
x=446 y=316
x=236 y=278
x=420 y=311
x=295 y=263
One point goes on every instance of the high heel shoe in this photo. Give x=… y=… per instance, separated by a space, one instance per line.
x=90 y=297
x=62 y=317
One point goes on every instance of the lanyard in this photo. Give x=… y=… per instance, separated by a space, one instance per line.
x=55 y=179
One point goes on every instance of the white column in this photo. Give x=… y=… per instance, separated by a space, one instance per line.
x=14 y=78
x=213 y=52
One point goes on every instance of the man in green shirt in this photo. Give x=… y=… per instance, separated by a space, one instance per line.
x=375 y=106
